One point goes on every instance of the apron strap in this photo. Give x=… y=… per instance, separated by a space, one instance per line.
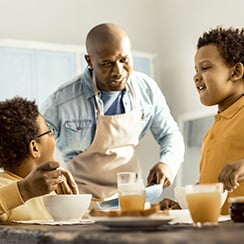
x=98 y=105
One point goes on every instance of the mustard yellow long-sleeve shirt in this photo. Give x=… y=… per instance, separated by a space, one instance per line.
x=223 y=143
x=12 y=206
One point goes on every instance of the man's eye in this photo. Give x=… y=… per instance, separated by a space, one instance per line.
x=124 y=60
x=107 y=64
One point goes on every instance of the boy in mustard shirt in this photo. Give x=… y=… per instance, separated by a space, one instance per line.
x=219 y=79
x=26 y=157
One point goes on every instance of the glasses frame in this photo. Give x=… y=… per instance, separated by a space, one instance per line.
x=50 y=131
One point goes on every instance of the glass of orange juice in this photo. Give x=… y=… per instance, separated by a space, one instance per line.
x=131 y=191
x=204 y=202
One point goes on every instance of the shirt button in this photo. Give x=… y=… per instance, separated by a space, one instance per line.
x=211 y=137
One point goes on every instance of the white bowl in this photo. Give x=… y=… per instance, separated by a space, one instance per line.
x=67 y=207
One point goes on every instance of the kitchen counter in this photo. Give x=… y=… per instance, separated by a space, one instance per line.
x=225 y=232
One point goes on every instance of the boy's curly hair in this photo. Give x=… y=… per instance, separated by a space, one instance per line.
x=230 y=43
x=17 y=128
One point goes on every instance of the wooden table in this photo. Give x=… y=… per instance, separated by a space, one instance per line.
x=225 y=232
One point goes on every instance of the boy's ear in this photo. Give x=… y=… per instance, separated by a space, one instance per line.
x=238 y=71
x=34 y=149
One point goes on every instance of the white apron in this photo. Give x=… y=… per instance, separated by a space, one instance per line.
x=113 y=149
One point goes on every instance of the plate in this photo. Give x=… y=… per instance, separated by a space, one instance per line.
x=52 y=222
x=142 y=223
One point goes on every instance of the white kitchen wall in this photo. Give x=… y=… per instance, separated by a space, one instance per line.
x=167 y=28
x=181 y=24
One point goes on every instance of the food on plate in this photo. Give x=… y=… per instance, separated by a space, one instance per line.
x=118 y=213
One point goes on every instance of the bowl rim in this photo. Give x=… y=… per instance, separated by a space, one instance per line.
x=67 y=195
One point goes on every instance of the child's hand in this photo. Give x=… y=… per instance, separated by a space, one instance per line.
x=40 y=181
x=232 y=174
x=67 y=184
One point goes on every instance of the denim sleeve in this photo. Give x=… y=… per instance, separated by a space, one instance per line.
x=166 y=131
x=161 y=123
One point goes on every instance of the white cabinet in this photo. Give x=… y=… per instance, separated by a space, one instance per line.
x=142 y=64
x=52 y=70
x=17 y=73
x=34 y=74
x=194 y=127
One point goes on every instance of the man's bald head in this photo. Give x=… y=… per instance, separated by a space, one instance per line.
x=109 y=56
x=106 y=34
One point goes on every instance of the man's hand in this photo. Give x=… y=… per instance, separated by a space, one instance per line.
x=232 y=174
x=160 y=174
x=167 y=203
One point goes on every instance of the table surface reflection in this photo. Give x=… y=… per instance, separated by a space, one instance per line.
x=225 y=232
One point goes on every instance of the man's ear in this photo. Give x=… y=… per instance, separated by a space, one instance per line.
x=238 y=72
x=88 y=60
x=34 y=149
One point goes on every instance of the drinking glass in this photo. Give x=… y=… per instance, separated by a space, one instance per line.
x=204 y=202
x=131 y=191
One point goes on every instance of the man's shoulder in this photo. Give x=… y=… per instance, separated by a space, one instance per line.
x=79 y=86
x=138 y=74
x=69 y=85
x=142 y=81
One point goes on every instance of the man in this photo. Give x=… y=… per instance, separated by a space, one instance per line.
x=101 y=116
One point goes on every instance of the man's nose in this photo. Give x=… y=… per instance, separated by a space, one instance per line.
x=117 y=69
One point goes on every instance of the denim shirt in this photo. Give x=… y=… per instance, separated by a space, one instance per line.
x=71 y=110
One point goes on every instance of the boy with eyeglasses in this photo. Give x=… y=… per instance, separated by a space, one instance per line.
x=26 y=157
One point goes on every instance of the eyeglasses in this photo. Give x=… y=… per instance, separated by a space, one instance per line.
x=50 y=131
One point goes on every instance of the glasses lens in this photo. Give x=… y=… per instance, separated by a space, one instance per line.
x=52 y=130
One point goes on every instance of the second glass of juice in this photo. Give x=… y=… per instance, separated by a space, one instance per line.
x=204 y=202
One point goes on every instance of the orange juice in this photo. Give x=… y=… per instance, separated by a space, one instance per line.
x=204 y=206
x=132 y=202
